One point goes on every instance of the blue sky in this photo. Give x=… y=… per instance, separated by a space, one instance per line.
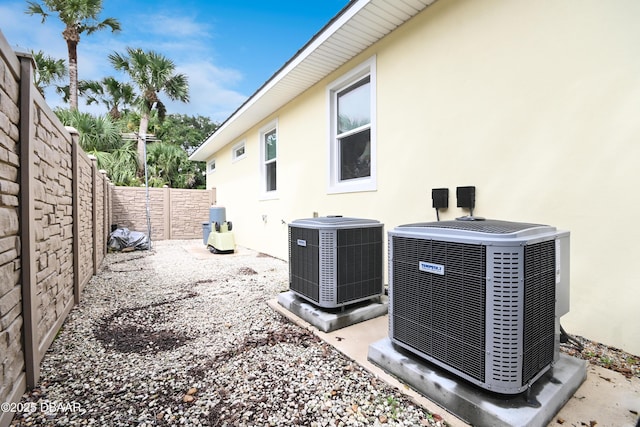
x=227 y=48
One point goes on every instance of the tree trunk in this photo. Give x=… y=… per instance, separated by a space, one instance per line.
x=72 y=37
x=142 y=140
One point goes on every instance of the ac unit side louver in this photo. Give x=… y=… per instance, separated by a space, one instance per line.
x=481 y=299
x=336 y=261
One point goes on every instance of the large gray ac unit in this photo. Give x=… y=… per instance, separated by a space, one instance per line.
x=481 y=299
x=336 y=261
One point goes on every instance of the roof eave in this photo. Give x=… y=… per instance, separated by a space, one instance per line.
x=303 y=71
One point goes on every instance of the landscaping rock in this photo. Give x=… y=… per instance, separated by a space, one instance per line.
x=165 y=337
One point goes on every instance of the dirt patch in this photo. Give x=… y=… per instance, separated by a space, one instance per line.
x=203 y=282
x=603 y=355
x=263 y=255
x=247 y=271
x=288 y=333
x=139 y=329
x=135 y=339
x=132 y=258
x=120 y=266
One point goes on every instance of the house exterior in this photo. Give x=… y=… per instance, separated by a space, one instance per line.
x=534 y=103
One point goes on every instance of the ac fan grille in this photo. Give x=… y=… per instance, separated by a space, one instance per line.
x=304 y=269
x=442 y=316
x=359 y=263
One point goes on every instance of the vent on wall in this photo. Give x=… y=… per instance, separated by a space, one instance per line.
x=479 y=298
x=335 y=261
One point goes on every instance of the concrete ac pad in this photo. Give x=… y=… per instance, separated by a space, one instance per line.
x=475 y=405
x=328 y=320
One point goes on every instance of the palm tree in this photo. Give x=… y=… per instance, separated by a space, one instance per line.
x=85 y=87
x=112 y=93
x=166 y=160
x=96 y=133
x=48 y=70
x=101 y=137
x=78 y=16
x=152 y=73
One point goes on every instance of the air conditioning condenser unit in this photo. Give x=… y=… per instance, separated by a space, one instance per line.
x=481 y=299
x=336 y=261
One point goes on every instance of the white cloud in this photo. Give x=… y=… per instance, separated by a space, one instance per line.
x=174 y=34
x=25 y=33
x=210 y=91
x=178 y=27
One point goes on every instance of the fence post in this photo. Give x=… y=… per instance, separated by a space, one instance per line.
x=105 y=207
x=27 y=215
x=76 y=212
x=94 y=211
x=166 y=205
x=105 y=227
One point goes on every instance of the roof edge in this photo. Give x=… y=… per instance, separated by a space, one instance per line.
x=353 y=6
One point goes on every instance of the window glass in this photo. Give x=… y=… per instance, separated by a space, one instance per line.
x=271 y=176
x=238 y=151
x=355 y=155
x=354 y=130
x=352 y=124
x=270 y=145
x=354 y=106
x=270 y=154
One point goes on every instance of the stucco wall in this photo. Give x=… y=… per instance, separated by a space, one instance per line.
x=534 y=103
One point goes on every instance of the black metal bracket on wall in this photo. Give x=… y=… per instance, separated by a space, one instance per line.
x=466 y=199
x=440 y=199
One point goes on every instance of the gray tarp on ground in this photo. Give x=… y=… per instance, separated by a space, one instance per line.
x=122 y=238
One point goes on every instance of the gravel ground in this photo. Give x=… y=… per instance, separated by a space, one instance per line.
x=603 y=355
x=163 y=337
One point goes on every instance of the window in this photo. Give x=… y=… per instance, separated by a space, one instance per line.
x=211 y=166
x=238 y=151
x=352 y=124
x=269 y=156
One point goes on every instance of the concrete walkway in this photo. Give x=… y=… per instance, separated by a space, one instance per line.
x=605 y=399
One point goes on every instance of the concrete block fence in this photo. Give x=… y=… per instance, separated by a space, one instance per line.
x=56 y=212
x=175 y=213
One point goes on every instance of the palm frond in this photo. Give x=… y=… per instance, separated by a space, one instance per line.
x=35 y=8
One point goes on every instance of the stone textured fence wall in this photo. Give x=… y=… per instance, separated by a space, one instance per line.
x=55 y=209
x=84 y=181
x=12 y=377
x=174 y=213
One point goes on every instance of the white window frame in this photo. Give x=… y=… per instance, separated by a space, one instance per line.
x=264 y=194
x=211 y=163
x=335 y=185
x=234 y=151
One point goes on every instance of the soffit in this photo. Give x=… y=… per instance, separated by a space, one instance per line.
x=359 y=25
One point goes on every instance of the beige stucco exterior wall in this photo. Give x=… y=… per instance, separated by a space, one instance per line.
x=534 y=103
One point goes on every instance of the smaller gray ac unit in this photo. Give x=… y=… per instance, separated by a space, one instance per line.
x=336 y=261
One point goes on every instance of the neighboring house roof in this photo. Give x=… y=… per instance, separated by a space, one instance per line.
x=356 y=27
